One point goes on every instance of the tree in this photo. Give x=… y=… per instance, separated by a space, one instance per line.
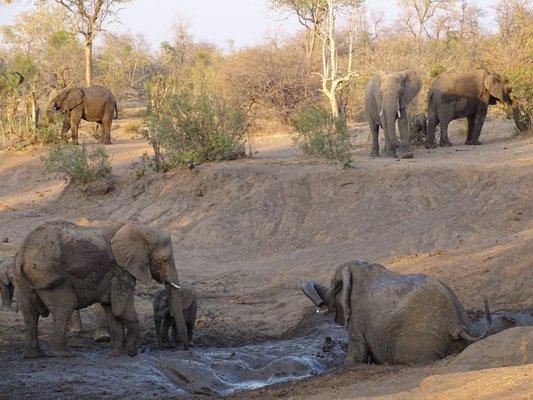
x=89 y=17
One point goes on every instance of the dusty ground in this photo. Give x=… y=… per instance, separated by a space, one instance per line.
x=247 y=233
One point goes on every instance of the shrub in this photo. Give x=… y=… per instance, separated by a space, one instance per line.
x=320 y=134
x=77 y=164
x=189 y=120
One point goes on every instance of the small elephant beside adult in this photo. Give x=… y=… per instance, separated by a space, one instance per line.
x=164 y=322
x=62 y=267
x=7 y=268
x=394 y=318
x=453 y=95
x=93 y=104
x=386 y=99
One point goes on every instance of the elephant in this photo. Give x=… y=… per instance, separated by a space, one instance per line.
x=94 y=104
x=61 y=267
x=452 y=95
x=418 y=129
x=164 y=321
x=6 y=283
x=394 y=318
x=386 y=99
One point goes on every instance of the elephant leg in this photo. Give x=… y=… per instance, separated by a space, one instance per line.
x=64 y=130
x=405 y=143
x=357 y=349
x=374 y=130
x=174 y=333
x=471 y=121
x=433 y=121
x=478 y=125
x=116 y=330
x=165 y=329
x=61 y=302
x=122 y=290
x=158 y=322
x=106 y=130
x=74 y=323
x=101 y=333
x=444 y=141
x=190 y=329
x=6 y=297
x=31 y=322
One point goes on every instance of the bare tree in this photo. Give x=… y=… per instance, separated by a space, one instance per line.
x=89 y=17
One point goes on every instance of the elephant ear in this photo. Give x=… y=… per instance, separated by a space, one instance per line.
x=187 y=297
x=411 y=86
x=74 y=98
x=130 y=249
x=493 y=83
x=346 y=290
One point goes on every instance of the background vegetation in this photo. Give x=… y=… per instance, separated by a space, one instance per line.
x=202 y=102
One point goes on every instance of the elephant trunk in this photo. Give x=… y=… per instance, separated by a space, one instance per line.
x=176 y=310
x=391 y=112
x=317 y=294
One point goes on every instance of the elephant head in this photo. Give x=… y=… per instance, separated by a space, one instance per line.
x=147 y=253
x=65 y=99
x=336 y=298
x=498 y=88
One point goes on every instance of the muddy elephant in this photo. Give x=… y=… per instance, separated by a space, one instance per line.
x=61 y=267
x=164 y=321
x=386 y=99
x=394 y=318
x=452 y=96
x=93 y=104
x=6 y=283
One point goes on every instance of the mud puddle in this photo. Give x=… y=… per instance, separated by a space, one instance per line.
x=162 y=373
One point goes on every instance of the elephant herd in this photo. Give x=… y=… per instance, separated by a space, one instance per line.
x=66 y=266
x=450 y=96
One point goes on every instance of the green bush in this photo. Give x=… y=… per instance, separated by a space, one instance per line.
x=320 y=134
x=189 y=120
x=77 y=164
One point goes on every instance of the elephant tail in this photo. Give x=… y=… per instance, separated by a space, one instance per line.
x=50 y=285
x=465 y=336
x=115 y=111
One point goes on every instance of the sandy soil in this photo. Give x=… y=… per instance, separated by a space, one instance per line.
x=247 y=233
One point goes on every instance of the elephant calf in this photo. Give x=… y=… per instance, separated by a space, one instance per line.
x=394 y=318
x=164 y=321
x=6 y=283
x=418 y=128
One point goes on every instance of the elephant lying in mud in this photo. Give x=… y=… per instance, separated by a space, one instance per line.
x=62 y=267
x=394 y=318
x=164 y=321
x=7 y=288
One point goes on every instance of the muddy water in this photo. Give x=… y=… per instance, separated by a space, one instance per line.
x=168 y=373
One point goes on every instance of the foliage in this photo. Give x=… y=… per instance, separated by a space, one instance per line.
x=77 y=164
x=320 y=134
x=189 y=120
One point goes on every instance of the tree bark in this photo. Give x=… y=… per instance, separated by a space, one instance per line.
x=89 y=63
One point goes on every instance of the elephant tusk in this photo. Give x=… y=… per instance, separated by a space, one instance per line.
x=381 y=112
x=399 y=114
x=174 y=285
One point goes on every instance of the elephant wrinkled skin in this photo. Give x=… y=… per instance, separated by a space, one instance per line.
x=62 y=267
x=394 y=318
x=386 y=99
x=93 y=104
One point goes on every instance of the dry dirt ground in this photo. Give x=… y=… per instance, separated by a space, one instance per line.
x=246 y=233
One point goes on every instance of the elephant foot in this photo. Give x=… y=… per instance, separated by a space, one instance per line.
x=473 y=142
x=117 y=353
x=60 y=353
x=34 y=352
x=446 y=143
x=132 y=350
x=75 y=330
x=404 y=153
x=430 y=145
x=101 y=337
x=374 y=154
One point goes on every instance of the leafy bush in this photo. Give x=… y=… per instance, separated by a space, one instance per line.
x=189 y=120
x=77 y=164
x=320 y=134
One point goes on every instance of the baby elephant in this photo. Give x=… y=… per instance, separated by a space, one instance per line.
x=6 y=283
x=164 y=321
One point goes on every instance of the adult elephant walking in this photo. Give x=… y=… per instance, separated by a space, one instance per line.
x=394 y=318
x=386 y=99
x=62 y=267
x=93 y=104
x=452 y=96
